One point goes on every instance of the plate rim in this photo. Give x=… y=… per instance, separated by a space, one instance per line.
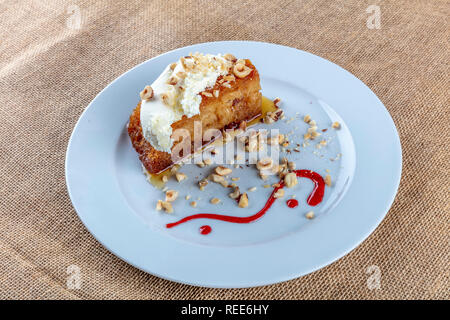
x=331 y=260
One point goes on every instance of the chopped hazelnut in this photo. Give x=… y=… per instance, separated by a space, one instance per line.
x=235 y=194
x=328 y=180
x=215 y=200
x=230 y=57
x=264 y=164
x=310 y=215
x=307 y=118
x=252 y=189
x=240 y=70
x=193 y=204
x=172 y=81
x=290 y=179
x=223 y=171
x=243 y=201
x=180 y=176
x=291 y=165
x=167 y=206
x=278 y=194
x=315 y=134
x=336 y=125
x=147 y=93
x=171 y=195
x=202 y=184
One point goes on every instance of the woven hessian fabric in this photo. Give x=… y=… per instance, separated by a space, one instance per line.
x=52 y=65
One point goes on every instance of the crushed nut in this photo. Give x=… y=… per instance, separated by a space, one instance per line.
x=215 y=200
x=310 y=215
x=187 y=197
x=193 y=204
x=207 y=161
x=278 y=194
x=336 y=125
x=159 y=205
x=252 y=189
x=290 y=179
x=240 y=70
x=307 y=118
x=172 y=81
x=235 y=179
x=315 y=134
x=328 y=180
x=243 y=201
x=223 y=171
x=264 y=164
x=180 y=176
x=277 y=102
x=168 y=98
x=291 y=165
x=173 y=66
x=235 y=194
x=171 y=195
x=230 y=57
x=165 y=178
x=147 y=93
x=216 y=93
x=216 y=178
x=167 y=206
x=202 y=184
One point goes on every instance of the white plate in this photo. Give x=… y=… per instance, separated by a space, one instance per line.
x=117 y=205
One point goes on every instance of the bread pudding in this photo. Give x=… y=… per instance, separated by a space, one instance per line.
x=210 y=91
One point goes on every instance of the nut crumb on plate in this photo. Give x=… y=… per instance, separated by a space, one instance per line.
x=243 y=201
x=215 y=200
x=171 y=195
x=328 y=180
x=309 y=215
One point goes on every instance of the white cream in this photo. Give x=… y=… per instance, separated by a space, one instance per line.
x=157 y=116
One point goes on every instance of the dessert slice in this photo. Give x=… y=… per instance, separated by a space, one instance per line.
x=207 y=91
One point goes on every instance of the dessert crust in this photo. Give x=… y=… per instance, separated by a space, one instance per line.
x=238 y=101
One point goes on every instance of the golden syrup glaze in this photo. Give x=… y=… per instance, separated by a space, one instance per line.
x=157 y=180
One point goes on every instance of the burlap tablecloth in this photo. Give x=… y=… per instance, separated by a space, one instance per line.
x=55 y=56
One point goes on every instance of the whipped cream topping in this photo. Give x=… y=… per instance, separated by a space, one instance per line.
x=176 y=94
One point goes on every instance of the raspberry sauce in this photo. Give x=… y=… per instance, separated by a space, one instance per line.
x=313 y=199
